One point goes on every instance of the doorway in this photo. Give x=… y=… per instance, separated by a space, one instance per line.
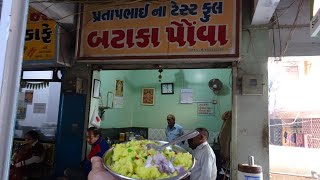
x=294 y=111
x=190 y=98
x=38 y=110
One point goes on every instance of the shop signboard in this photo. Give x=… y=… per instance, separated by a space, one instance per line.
x=159 y=30
x=40 y=39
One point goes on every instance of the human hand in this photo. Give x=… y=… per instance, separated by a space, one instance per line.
x=98 y=172
x=19 y=164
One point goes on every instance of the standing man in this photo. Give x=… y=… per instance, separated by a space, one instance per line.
x=98 y=147
x=205 y=167
x=173 y=129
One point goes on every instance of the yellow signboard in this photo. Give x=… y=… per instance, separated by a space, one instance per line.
x=162 y=29
x=40 y=39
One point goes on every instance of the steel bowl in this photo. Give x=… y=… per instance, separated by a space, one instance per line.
x=107 y=159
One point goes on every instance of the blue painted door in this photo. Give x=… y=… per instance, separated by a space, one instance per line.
x=69 y=138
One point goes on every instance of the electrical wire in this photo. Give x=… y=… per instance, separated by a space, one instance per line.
x=47 y=7
x=285 y=10
x=293 y=29
x=100 y=9
x=293 y=122
x=88 y=2
x=273 y=42
x=280 y=48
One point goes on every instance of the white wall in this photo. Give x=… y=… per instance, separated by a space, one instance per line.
x=250 y=123
x=94 y=102
x=49 y=95
x=251 y=130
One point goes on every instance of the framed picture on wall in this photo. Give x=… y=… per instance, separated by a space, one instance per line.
x=96 y=88
x=119 y=88
x=147 y=96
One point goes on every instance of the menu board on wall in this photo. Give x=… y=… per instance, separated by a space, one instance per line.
x=39 y=108
x=166 y=29
x=40 y=39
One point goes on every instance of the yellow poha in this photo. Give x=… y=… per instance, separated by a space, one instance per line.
x=134 y=160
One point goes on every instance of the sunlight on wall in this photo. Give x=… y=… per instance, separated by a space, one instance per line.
x=293 y=84
x=316 y=6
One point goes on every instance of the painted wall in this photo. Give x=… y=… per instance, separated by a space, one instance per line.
x=186 y=114
x=135 y=114
x=121 y=117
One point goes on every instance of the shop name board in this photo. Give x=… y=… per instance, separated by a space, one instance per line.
x=39 y=38
x=175 y=28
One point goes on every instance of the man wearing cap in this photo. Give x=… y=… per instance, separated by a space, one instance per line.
x=205 y=167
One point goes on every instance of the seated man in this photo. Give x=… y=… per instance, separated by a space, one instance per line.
x=98 y=147
x=26 y=161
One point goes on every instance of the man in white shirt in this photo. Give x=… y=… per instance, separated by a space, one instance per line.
x=205 y=167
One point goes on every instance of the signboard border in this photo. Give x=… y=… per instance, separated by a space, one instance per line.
x=46 y=61
x=157 y=57
x=56 y=50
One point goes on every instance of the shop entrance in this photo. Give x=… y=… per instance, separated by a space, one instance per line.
x=294 y=117
x=37 y=110
x=139 y=101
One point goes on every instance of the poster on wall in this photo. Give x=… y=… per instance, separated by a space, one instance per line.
x=147 y=97
x=118 y=102
x=163 y=30
x=22 y=107
x=205 y=109
x=28 y=97
x=39 y=108
x=119 y=88
x=186 y=96
x=96 y=88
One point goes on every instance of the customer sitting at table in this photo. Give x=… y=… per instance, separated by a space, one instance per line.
x=205 y=167
x=98 y=147
x=26 y=161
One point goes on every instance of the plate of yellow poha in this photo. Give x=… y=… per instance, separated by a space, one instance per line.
x=133 y=160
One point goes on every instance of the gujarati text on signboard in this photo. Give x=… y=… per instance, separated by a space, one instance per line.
x=171 y=29
x=40 y=37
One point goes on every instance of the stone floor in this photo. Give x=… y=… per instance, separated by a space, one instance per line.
x=288 y=177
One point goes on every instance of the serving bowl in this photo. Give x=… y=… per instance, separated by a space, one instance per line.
x=107 y=160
